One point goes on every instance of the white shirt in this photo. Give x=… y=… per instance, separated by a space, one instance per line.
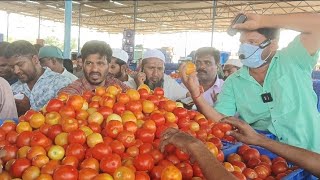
x=216 y=88
x=129 y=82
x=69 y=75
x=172 y=89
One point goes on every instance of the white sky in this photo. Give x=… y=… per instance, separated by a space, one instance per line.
x=26 y=27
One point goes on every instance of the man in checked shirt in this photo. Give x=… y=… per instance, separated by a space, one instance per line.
x=96 y=56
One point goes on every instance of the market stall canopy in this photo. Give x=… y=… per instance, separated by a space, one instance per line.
x=155 y=16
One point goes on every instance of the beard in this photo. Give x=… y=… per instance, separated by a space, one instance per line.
x=152 y=85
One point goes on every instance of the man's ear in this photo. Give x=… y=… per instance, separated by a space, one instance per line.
x=35 y=59
x=124 y=68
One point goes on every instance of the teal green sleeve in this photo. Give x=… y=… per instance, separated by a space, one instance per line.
x=226 y=103
x=296 y=53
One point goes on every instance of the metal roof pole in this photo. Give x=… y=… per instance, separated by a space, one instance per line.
x=39 y=23
x=134 y=25
x=79 y=24
x=8 y=26
x=67 y=28
x=214 y=6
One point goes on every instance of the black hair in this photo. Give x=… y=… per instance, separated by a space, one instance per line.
x=3 y=47
x=270 y=33
x=20 y=48
x=67 y=63
x=96 y=47
x=208 y=51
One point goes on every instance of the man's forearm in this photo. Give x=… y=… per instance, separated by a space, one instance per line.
x=300 y=157
x=208 y=111
x=209 y=165
x=302 y=22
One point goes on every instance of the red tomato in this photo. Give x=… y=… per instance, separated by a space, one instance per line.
x=196 y=170
x=239 y=175
x=130 y=126
x=143 y=93
x=224 y=127
x=278 y=159
x=220 y=156
x=216 y=141
x=150 y=124
x=66 y=172
x=91 y=163
x=186 y=170
x=54 y=130
x=134 y=106
x=265 y=159
x=156 y=155
x=69 y=125
x=11 y=153
x=54 y=105
x=180 y=112
x=279 y=167
x=143 y=162
x=23 y=139
x=11 y=137
x=50 y=167
x=160 y=130
x=101 y=150
x=133 y=151
x=262 y=171
x=87 y=174
x=8 y=126
x=119 y=108
x=250 y=173
x=241 y=165
x=202 y=135
x=39 y=139
x=234 y=157
x=156 y=172
x=18 y=166
x=70 y=160
x=173 y=158
x=67 y=111
x=110 y=163
x=250 y=153
x=182 y=156
x=145 y=148
x=184 y=123
x=141 y=175
x=145 y=135
x=127 y=138
x=158 y=91
x=242 y=149
x=113 y=128
x=117 y=147
x=95 y=127
x=158 y=118
x=76 y=150
x=253 y=162
x=154 y=99
x=2 y=134
x=77 y=136
x=75 y=101
x=217 y=132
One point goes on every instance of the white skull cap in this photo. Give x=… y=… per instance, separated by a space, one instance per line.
x=120 y=54
x=154 y=53
x=234 y=62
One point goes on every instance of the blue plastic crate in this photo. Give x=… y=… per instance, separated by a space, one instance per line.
x=229 y=145
x=298 y=174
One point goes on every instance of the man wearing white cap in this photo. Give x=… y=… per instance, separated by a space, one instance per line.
x=231 y=66
x=118 y=66
x=152 y=74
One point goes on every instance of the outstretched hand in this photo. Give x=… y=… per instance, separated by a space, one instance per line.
x=243 y=132
x=253 y=22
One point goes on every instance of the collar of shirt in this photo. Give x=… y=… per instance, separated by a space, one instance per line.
x=216 y=86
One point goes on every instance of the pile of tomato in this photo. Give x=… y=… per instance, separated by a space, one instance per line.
x=105 y=134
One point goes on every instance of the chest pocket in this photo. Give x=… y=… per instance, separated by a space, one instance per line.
x=283 y=93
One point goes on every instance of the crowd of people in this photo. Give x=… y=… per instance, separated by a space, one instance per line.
x=267 y=88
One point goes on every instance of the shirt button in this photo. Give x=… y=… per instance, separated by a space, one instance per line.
x=274 y=120
x=280 y=138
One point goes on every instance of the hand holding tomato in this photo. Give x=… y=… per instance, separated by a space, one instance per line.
x=190 y=81
x=178 y=138
x=244 y=133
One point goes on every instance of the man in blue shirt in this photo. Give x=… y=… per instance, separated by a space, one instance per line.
x=36 y=85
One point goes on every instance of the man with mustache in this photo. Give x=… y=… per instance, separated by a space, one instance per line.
x=152 y=74
x=96 y=56
x=207 y=60
x=36 y=85
x=119 y=67
x=5 y=70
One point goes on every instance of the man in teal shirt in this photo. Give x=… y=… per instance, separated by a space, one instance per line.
x=273 y=90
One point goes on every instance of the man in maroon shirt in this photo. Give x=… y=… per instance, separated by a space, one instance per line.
x=96 y=56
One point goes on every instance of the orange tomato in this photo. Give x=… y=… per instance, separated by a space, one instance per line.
x=190 y=68
x=44 y=177
x=23 y=126
x=75 y=101
x=123 y=173
x=90 y=163
x=87 y=174
x=37 y=120
x=148 y=106
x=40 y=160
x=171 y=173
x=31 y=172
x=133 y=94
